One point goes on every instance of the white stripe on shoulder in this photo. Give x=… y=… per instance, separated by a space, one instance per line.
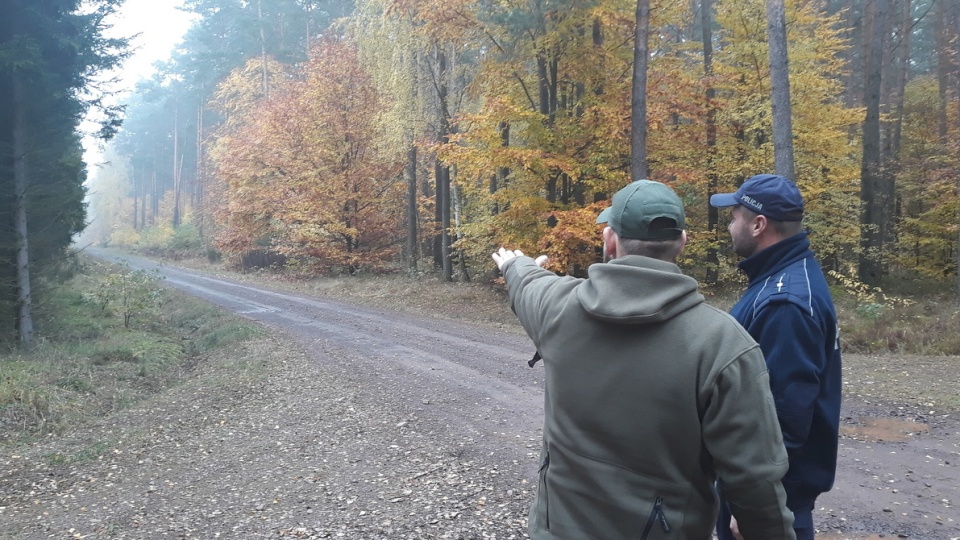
x=757 y=297
x=809 y=291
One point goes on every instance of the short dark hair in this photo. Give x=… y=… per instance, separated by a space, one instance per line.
x=785 y=229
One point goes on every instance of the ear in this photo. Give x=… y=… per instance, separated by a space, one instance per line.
x=610 y=242
x=760 y=224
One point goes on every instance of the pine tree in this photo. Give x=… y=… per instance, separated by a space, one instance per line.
x=49 y=52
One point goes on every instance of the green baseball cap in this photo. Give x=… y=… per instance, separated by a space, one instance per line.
x=636 y=206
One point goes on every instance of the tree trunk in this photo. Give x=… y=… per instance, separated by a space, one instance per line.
x=713 y=214
x=780 y=90
x=499 y=179
x=906 y=23
x=437 y=243
x=543 y=84
x=157 y=194
x=443 y=171
x=638 y=103
x=598 y=42
x=177 y=193
x=177 y=166
x=143 y=202
x=198 y=186
x=136 y=196
x=956 y=251
x=411 y=174
x=264 y=73
x=853 y=56
x=547 y=66
x=20 y=181
x=941 y=28
x=871 y=223
x=308 y=8
x=444 y=189
x=458 y=224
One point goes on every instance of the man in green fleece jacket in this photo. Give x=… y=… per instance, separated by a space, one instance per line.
x=651 y=395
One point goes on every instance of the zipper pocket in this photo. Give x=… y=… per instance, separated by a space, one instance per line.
x=656 y=515
x=542 y=496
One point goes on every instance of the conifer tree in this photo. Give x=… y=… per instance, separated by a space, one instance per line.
x=50 y=53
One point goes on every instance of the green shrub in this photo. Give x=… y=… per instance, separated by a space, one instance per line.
x=88 y=364
x=870 y=311
x=186 y=238
x=123 y=236
x=128 y=293
x=155 y=238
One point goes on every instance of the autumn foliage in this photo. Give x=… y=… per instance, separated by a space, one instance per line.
x=423 y=134
x=305 y=173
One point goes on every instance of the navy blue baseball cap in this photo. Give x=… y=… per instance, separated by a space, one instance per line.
x=770 y=195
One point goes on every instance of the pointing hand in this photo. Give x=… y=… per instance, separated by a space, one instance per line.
x=503 y=255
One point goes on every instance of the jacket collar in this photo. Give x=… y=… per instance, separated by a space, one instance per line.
x=763 y=264
x=637 y=290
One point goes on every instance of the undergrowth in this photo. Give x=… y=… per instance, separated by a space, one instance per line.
x=905 y=318
x=97 y=356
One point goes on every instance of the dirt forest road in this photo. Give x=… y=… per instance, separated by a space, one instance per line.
x=379 y=424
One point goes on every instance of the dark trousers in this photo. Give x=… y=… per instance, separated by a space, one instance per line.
x=803 y=533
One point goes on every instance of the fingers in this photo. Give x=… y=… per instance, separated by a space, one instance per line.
x=735 y=528
x=503 y=255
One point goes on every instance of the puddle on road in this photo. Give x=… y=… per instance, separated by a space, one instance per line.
x=869 y=428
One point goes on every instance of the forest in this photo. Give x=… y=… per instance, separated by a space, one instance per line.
x=368 y=136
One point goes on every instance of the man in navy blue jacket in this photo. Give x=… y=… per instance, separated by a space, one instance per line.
x=787 y=308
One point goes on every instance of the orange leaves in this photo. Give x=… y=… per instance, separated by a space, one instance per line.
x=574 y=242
x=307 y=172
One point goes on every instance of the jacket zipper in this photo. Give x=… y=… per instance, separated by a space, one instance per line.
x=656 y=515
x=543 y=490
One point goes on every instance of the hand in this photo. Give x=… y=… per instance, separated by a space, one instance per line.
x=735 y=529
x=541 y=260
x=503 y=255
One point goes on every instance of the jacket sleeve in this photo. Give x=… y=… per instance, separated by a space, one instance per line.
x=531 y=289
x=741 y=433
x=792 y=344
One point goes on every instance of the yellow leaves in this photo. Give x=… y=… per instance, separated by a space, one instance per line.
x=446 y=20
x=307 y=172
x=574 y=242
x=238 y=95
x=827 y=160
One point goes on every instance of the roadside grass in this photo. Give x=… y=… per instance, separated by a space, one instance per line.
x=89 y=364
x=919 y=319
x=928 y=325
